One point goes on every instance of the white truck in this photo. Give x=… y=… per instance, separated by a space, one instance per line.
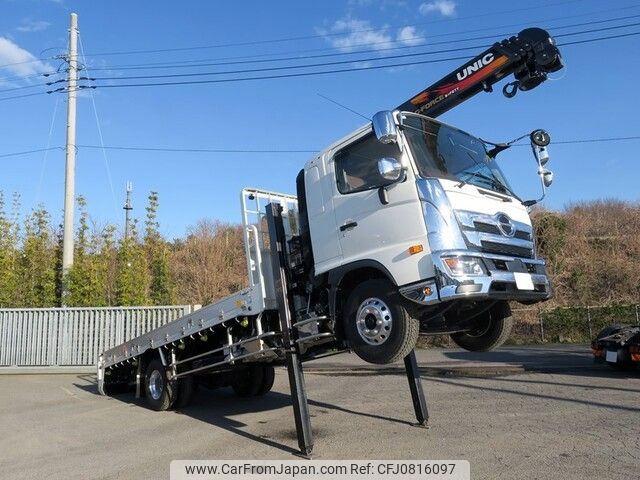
x=405 y=227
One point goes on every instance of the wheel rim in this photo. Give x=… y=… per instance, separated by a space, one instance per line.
x=156 y=385
x=374 y=321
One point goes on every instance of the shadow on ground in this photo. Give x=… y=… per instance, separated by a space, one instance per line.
x=217 y=407
x=460 y=369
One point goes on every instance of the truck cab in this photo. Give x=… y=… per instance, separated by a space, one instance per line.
x=421 y=212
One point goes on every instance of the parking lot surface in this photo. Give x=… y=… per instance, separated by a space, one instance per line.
x=517 y=413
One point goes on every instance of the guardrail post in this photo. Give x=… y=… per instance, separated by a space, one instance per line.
x=589 y=322
x=637 y=318
x=541 y=325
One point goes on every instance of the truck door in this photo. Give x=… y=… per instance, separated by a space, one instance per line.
x=367 y=228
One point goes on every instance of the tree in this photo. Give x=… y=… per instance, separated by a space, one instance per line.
x=86 y=280
x=8 y=255
x=37 y=262
x=132 y=277
x=209 y=263
x=157 y=251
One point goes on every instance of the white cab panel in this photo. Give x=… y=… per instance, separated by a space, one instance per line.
x=470 y=198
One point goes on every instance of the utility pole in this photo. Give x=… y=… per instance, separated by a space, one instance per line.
x=127 y=208
x=70 y=164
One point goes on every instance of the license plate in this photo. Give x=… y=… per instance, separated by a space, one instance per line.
x=523 y=281
x=612 y=357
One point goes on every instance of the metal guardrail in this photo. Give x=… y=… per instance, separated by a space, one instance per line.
x=74 y=336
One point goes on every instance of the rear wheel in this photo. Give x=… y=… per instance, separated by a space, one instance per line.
x=269 y=376
x=186 y=389
x=489 y=331
x=160 y=393
x=253 y=380
x=377 y=325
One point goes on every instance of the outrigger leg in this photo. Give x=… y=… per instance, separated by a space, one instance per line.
x=294 y=364
x=417 y=393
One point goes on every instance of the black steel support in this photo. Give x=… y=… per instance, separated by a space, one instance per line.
x=417 y=394
x=294 y=364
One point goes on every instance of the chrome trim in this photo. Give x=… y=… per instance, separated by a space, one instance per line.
x=477 y=237
x=374 y=321
x=508 y=228
x=479 y=287
x=415 y=292
x=443 y=232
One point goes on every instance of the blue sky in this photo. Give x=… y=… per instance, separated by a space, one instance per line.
x=593 y=97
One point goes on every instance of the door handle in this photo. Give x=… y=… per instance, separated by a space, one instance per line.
x=348 y=225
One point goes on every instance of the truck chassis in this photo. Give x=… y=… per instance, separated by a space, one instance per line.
x=264 y=309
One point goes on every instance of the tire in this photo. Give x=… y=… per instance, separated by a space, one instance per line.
x=377 y=325
x=248 y=380
x=186 y=389
x=491 y=330
x=268 y=377
x=159 y=392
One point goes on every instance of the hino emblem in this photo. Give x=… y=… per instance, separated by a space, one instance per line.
x=474 y=67
x=506 y=225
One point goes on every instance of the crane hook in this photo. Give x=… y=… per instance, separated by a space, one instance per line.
x=510 y=89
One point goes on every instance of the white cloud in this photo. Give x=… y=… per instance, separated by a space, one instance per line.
x=350 y=33
x=446 y=8
x=19 y=61
x=409 y=36
x=29 y=25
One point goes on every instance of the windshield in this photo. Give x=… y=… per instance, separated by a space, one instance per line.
x=445 y=152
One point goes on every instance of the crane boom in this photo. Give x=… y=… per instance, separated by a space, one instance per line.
x=529 y=56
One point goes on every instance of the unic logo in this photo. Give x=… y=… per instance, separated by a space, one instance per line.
x=474 y=67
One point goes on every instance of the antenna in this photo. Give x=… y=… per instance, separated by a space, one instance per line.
x=344 y=106
x=128 y=206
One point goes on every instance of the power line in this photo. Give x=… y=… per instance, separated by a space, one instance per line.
x=22 y=96
x=315 y=73
x=323 y=56
x=308 y=37
x=99 y=128
x=339 y=62
x=27 y=152
x=266 y=151
x=198 y=63
x=328 y=72
x=196 y=150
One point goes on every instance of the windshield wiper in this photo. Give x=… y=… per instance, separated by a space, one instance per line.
x=492 y=181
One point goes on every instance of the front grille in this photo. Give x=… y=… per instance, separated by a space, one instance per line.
x=522 y=235
x=487 y=228
x=493 y=229
x=505 y=249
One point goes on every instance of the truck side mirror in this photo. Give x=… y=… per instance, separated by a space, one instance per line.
x=384 y=127
x=390 y=169
x=540 y=139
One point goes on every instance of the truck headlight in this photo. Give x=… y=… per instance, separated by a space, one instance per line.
x=464 y=266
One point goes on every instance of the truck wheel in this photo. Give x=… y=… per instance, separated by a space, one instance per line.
x=247 y=381
x=377 y=325
x=268 y=377
x=186 y=389
x=490 y=330
x=160 y=393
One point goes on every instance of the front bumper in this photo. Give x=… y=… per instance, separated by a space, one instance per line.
x=498 y=283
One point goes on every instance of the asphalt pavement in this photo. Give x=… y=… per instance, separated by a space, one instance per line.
x=517 y=413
